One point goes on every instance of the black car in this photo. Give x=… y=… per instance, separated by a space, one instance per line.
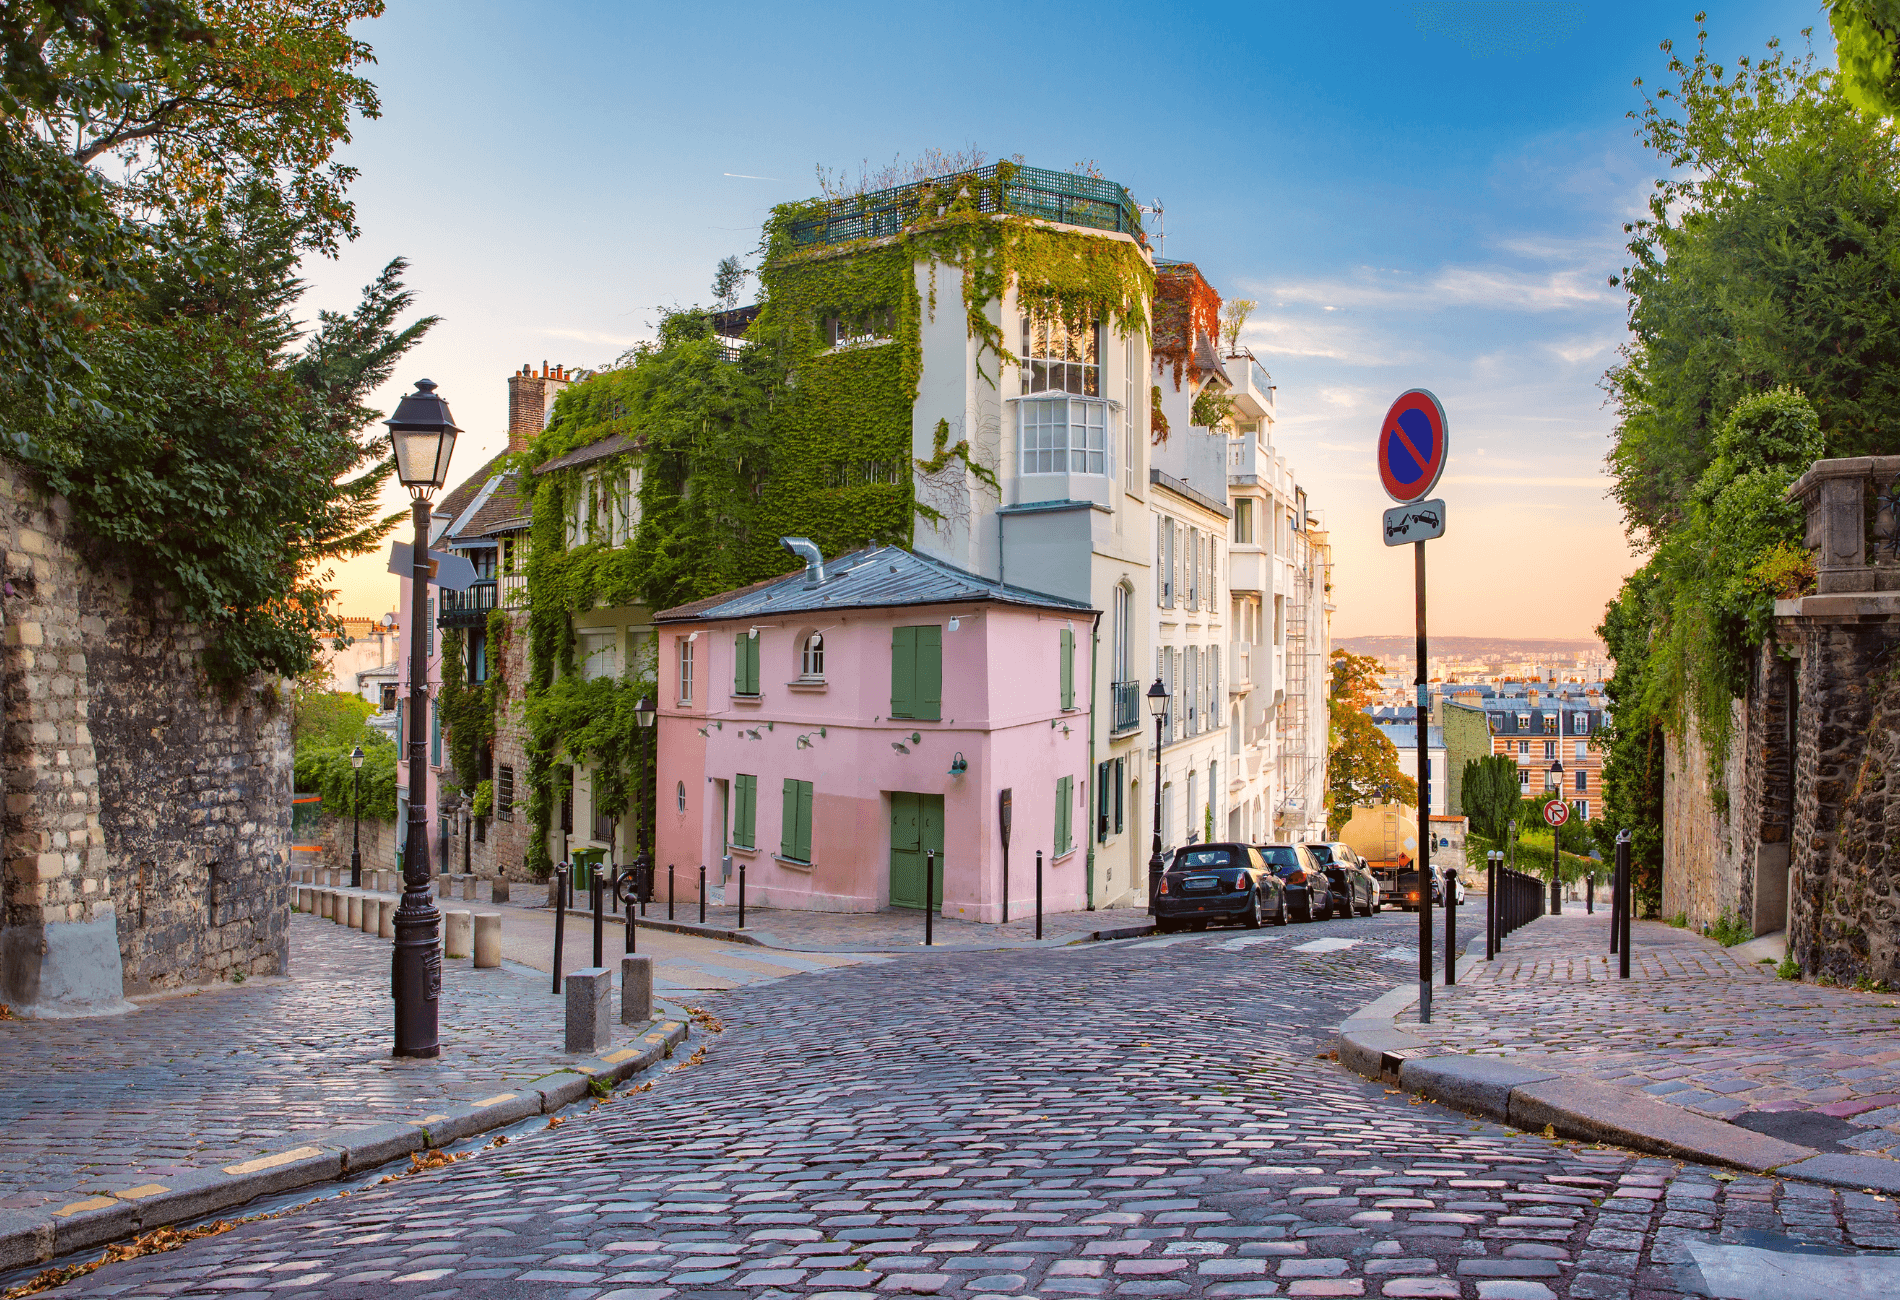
x=1218 y=882
x=1308 y=892
x=1408 y=888
x=1355 y=891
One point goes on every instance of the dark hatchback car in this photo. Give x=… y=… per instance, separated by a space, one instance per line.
x=1218 y=882
x=1308 y=892
x=1355 y=891
x=1408 y=888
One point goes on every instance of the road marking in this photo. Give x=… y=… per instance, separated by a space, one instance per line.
x=90 y=1203
x=271 y=1162
x=1234 y=945
x=497 y=1099
x=143 y=1190
x=1748 y=1273
x=1400 y=954
x=1327 y=945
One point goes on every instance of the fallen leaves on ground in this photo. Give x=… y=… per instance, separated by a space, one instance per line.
x=419 y=1161
x=555 y=1121
x=154 y=1242
x=705 y=1020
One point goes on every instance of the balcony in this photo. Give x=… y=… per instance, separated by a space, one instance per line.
x=1127 y=706
x=1026 y=191
x=1253 y=386
x=467 y=608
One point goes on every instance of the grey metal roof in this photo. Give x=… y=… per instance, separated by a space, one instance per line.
x=611 y=445
x=877 y=577
x=1404 y=735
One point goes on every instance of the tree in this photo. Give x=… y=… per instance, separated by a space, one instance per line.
x=728 y=280
x=1866 y=36
x=1491 y=795
x=1234 y=313
x=1362 y=767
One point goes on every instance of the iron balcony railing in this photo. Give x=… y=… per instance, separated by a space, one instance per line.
x=1127 y=699
x=467 y=608
x=1029 y=191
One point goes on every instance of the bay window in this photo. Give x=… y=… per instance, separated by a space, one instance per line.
x=1064 y=435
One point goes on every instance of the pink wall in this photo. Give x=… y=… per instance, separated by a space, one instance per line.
x=1001 y=695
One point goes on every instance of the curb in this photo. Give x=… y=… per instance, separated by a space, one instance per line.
x=1536 y=1097
x=118 y=1209
x=765 y=939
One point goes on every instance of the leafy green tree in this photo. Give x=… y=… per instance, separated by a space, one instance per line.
x=1866 y=36
x=1362 y=766
x=1490 y=795
x=325 y=719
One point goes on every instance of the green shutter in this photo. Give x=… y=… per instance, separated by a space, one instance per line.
x=745 y=664
x=801 y=846
x=738 y=664
x=1062 y=815
x=745 y=803
x=788 y=820
x=1068 y=669
x=903 y=672
x=435 y=734
x=429 y=623
x=929 y=672
x=752 y=665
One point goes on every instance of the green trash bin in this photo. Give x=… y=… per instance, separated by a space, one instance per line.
x=586 y=863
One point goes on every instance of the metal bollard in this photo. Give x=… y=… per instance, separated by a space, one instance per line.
x=1590 y=898
x=669 y=891
x=702 y=893
x=741 y=895
x=1451 y=928
x=560 y=922
x=930 y=888
x=596 y=896
x=1039 y=893
x=1490 y=906
x=1623 y=872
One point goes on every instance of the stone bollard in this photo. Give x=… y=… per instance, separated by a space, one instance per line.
x=353 y=910
x=498 y=890
x=468 y=889
x=386 y=918
x=372 y=910
x=457 y=939
x=325 y=901
x=590 y=1011
x=636 y=990
x=487 y=940
x=554 y=890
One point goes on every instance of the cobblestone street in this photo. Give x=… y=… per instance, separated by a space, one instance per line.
x=1694 y=1026
x=1142 y=1118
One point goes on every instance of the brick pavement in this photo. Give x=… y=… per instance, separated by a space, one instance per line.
x=1130 y=1120
x=900 y=929
x=1694 y=1026
x=225 y=1074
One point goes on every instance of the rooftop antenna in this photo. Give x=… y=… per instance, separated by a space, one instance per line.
x=1160 y=232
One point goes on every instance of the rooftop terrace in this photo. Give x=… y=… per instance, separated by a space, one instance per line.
x=1028 y=191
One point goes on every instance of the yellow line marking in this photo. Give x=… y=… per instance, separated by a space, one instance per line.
x=427 y=1119
x=146 y=1189
x=497 y=1099
x=90 y=1203
x=615 y=1058
x=271 y=1162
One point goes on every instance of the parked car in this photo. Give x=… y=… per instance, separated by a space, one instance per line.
x=1218 y=882
x=1408 y=888
x=1355 y=891
x=1308 y=892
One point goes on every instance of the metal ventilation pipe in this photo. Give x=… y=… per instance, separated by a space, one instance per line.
x=807 y=550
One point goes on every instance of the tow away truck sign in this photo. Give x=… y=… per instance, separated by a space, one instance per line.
x=1419 y=522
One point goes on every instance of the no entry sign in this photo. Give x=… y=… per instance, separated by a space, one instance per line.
x=1412 y=446
x=1556 y=812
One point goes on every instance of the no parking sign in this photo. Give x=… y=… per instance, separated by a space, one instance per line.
x=1412 y=446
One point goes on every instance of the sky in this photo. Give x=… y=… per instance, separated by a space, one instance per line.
x=1417 y=195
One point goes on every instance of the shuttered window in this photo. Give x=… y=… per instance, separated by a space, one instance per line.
x=435 y=734
x=745 y=664
x=505 y=793
x=429 y=623
x=1065 y=810
x=1068 y=668
x=795 y=827
x=745 y=810
x=917 y=672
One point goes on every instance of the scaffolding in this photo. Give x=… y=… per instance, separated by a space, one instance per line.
x=1290 y=719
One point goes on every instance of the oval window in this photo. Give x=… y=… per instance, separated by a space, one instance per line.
x=682 y=796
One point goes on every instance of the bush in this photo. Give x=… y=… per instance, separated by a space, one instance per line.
x=1729 y=930
x=1788 y=970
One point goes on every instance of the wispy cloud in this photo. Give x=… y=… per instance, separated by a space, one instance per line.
x=741 y=176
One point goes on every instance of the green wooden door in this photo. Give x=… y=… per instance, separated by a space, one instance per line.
x=916 y=825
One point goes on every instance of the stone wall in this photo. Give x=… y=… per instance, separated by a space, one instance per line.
x=333 y=835
x=508 y=840
x=147 y=822
x=1701 y=876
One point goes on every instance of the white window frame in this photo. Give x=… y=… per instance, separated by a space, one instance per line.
x=686 y=670
x=1061 y=433
x=811 y=658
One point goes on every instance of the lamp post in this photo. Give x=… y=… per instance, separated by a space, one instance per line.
x=423 y=433
x=644 y=714
x=1557 y=792
x=356 y=810
x=1158 y=706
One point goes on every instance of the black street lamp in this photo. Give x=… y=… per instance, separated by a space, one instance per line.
x=356 y=810
x=1158 y=706
x=423 y=433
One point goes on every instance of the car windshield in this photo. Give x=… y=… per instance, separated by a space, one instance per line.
x=1322 y=854
x=1201 y=859
x=1283 y=858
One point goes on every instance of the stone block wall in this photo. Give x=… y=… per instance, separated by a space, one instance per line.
x=148 y=816
x=508 y=840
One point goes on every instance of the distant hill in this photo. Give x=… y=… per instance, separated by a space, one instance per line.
x=1470 y=647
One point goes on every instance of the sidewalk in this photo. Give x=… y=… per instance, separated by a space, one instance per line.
x=203 y=1100
x=1698 y=1053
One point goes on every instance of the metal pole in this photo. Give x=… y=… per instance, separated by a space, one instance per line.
x=1038 y=893
x=742 y=894
x=1005 y=882
x=1490 y=905
x=669 y=891
x=930 y=887
x=702 y=893
x=1616 y=900
x=1451 y=927
x=1590 y=895
x=1623 y=870
x=1424 y=721
x=632 y=929
x=598 y=898
x=356 y=835
x=416 y=961
x=1154 y=855
x=560 y=922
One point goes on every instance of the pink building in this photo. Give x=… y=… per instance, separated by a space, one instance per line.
x=829 y=727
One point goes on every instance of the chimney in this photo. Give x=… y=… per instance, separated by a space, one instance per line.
x=530 y=399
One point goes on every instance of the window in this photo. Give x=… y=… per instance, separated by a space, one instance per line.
x=435 y=734
x=1524 y=748
x=505 y=793
x=604 y=825
x=1066 y=669
x=794 y=840
x=1192 y=550
x=1121 y=786
x=811 y=657
x=680 y=794
x=429 y=623
x=1164 y=562
x=1193 y=807
x=1243 y=521
x=1550 y=723
x=745 y=663
x=1064 y=814
x=564 y=777
x=1580 y=750
x=1120 y=651
x=598 y=653
x=1523 y=723
x=917 y=672
x=864 y=329
x=1582 y=808
x=745 y=810
x=686 y=670
x=402 y=713
x=1104 y=774
x=1191 y=682
x=1279 y=620
x=389 y=696
x=1550 y=750
x=1582 y=724
x=1523 y=780
x=1061 y=357
x=1063 y=436
x=477 y=656
x=1583 y=782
